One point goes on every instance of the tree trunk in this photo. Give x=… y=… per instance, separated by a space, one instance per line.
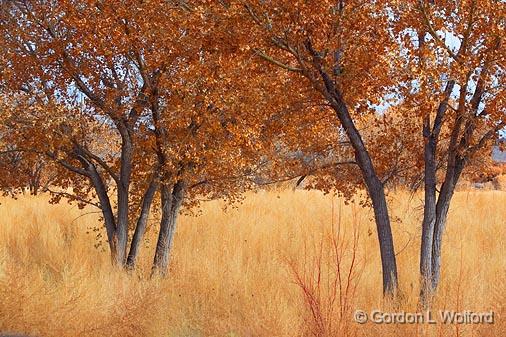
x=171 y=204
x=105 y=206
x=431 y=137
x=442 y=207
x=123 y=187
x=121 y=234
x=387 y=250
x=457 y=158
x=429 y=213
x=376 y=192
x=374 y=185
x=140 y=228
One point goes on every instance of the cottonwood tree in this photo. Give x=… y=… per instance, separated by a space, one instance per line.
x=456 y=60
x=146 y=76
x=333 y=54
x=22 y=172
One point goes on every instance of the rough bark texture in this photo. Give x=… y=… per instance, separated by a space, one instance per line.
x=123 y=187
x=429 y=213
x=431 y=136
x=116 y=225
x=171 y=204
x=374 y=185
x=442 y=207
x=459 y=152
x=142 y=221
x=387 y=250
x=105 y=206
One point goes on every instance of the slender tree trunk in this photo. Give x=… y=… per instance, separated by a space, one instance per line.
x=431 y=137
x=376 y=192
x=171 y=204
x=429 y=214
x=460 y=139
x=454 y=167
x=387 y=250
x=107 y=212
x=442 y=207
x=140 y=228
x=374 y=185
x=123 y=194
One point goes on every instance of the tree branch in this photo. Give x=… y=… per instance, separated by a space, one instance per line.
x=73 y=197
x=99 y=161
x=433 y=32
x=483 y=140
x=276 y=62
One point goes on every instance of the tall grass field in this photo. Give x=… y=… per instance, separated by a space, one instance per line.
x=282 y=263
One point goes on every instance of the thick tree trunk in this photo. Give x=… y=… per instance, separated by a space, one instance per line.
x=140 y=228
x=121 y=234
x=171 y=204
x=387 y=250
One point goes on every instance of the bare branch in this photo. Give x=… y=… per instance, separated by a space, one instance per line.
x=99 y=161
x=433 y=32
x=276 y=62
x=73 y=197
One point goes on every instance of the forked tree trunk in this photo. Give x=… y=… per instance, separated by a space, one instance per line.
x=123 y=193
x=116 y=226
x=142 y=221
x=431 y=136
x=442 y=207
x=458 y=154
x=171 y=204
x=107 y=212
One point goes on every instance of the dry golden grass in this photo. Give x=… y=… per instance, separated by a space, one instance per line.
x=235 y=273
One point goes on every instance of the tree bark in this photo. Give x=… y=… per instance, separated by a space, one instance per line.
x=374 y=186
x=431 y=137
x=171 y=204
x=387 y=250
x=121 y=234
x=458 y=154
x=123 y=187
x=442 y=207
x=105 y=206
x=140 y=227
x=429 y=213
